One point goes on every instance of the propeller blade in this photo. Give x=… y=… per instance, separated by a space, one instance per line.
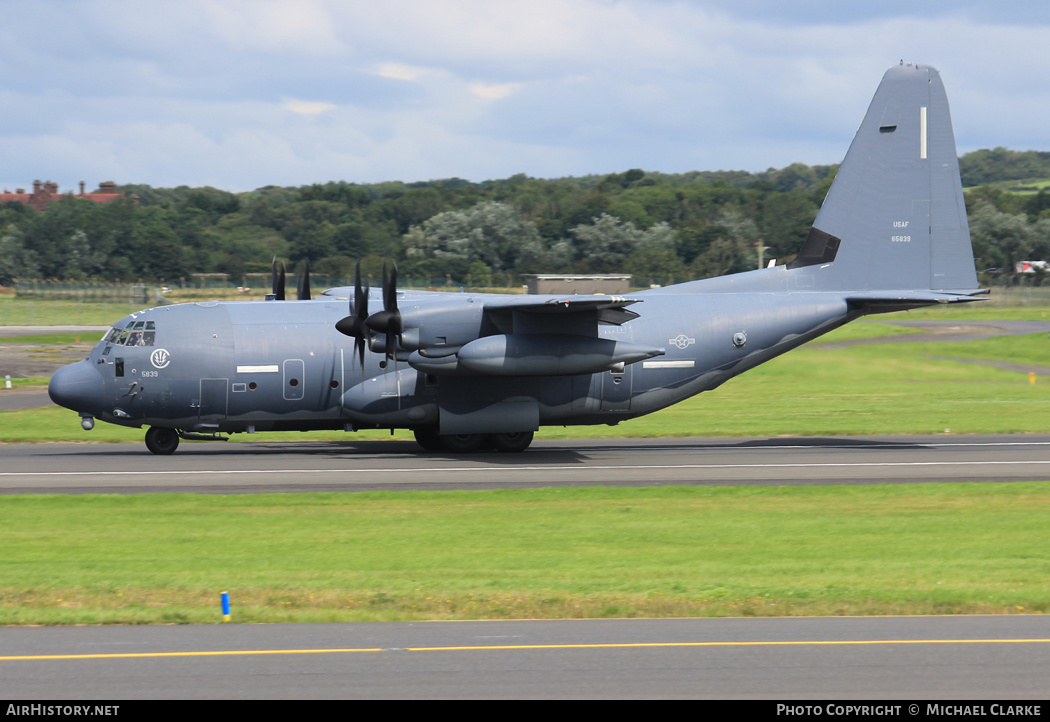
x=356 y=324
x=360 y=296
x=304 y=283
x=361 y=315
x=278 y=284
x=388 y=321
x=390 y=290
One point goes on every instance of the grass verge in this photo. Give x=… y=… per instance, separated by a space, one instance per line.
x=550 y=553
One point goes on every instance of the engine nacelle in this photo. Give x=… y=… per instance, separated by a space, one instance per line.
x=437 y=325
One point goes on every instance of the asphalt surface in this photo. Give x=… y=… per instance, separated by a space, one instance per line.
x=909 y=658
x=233 y=468
x=32 y=398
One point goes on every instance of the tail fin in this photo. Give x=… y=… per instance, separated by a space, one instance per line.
x=895 y=219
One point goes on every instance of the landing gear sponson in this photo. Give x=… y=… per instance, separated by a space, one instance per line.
x=164 y=441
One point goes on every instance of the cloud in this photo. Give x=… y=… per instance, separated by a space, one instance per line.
x=248 y=93
x=400 y=71
x=305 y=107
x=494 y=92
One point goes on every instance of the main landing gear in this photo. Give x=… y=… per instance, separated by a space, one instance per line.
x=162 y=441
x=511 y=443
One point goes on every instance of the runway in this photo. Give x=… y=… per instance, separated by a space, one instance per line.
x=916 y=658
x=287 y=467
x=910 y=658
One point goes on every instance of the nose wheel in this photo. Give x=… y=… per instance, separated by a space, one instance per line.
x=162 y=441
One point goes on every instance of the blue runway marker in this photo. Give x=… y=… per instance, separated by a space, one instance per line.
x=226 y=606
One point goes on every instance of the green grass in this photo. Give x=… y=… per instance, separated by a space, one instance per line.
x=585 y=552
x=1030 y=186
x=24 y=311
x=62 y=339
x=866 y=330
x=26 y=383
x=1012 y=307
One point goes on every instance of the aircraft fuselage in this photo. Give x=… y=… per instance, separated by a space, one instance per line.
x=281 y=365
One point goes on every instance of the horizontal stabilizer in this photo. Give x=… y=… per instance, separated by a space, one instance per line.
x=885 y=301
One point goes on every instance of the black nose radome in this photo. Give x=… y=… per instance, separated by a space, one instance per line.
x=77 y=387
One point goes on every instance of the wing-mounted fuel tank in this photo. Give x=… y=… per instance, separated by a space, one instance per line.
x=552 y=354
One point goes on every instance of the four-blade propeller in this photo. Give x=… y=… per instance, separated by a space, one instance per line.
x=360 y=326
x=388 y=321
x=354 y=324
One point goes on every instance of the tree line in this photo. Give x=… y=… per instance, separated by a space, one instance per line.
x=666 y=226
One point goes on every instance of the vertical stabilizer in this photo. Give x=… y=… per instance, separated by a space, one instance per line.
x=895 y=217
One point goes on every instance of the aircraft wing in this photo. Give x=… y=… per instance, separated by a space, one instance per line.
x=607 y=309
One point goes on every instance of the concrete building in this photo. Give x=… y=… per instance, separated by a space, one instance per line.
x=608 y=283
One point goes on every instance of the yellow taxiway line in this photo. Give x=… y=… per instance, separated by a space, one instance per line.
x=478 y=648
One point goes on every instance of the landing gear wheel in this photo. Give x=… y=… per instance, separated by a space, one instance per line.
x=462 y=443
x=162 y=441
x=428 y=439
x=513 y=443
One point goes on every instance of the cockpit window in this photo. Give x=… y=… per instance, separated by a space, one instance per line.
x=136 y=333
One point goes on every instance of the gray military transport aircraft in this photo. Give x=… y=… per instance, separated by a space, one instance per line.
x=466 y=371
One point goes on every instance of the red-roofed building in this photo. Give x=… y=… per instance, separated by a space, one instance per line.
x=45 y=193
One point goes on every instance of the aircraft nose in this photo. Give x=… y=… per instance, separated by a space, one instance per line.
x=77 y=387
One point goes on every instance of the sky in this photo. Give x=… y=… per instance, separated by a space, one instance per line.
x=240 y=94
